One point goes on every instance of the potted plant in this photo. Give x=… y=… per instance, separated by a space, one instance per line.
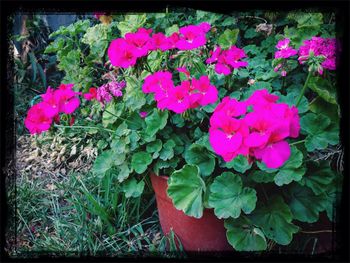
x=232 y=166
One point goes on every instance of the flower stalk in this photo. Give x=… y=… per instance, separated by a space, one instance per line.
x=304 y=88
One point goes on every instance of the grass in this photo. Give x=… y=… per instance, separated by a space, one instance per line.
x=78 y=214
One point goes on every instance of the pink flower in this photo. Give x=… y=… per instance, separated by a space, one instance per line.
x=283 y=73
x=50 y=103
x=274 y=155
x=37 y=120
x=192 y=36
x=141 y=41
x=233 y=55
x=143 y=114
x=92 y=94
x=178 y=100
x=68 y=101
x=284 y=51
x=173 y=39
x=160 y=41
x=227 y=60
x=320 y=47
x=209 y=93
x=214 y=55
x=122 y=54
x=258 y=134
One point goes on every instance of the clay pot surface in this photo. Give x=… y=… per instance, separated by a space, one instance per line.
x=204 y=234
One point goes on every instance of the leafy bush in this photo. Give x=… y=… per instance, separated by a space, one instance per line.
x=228 y=108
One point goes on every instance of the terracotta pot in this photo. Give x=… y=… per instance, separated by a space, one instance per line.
x=204 y=234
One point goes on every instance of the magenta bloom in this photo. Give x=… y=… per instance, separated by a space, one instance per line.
x=259 y=134
x=122 y=54
x=143 y=114
x=68 y=101
x=178 y=100
x=320 y=47
x=160 y=41
x=50 y=103
x=214 y=55
x=37 y=120
x=227 y=60
x=187 y=95
x=208 y=93
x=192 y=36
x=92 y=94
x=284 y=50
x=141 y=41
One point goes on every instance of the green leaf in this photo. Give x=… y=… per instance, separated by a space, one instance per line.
x=318 y=177
x=131 y=23
x=97 y=38
x=261 y=177
x=199 y=155
x=264 y=168
x=240 y=164
x=291 y=99
x=169 y=30
x=123 y=172
x=228 y=38
x=186 y=188
x=112 y=112
x=324 y=89
x=244 y=236
x=154 y=146
x=320 y=132
x=134 y=98
x=140 y=161
x=104 y=162
x=155 y=122
x=228 y=197
x=304 y=204
x=291 y=170
x=320 y=106
x=275 y=219
x=250 y=33
x=132 y=188
x=168 y=150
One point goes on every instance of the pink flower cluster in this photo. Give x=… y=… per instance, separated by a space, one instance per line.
x=320 y=47
x=189 y=94
x=284 y=50
x=124 y=52
x=259 y=133
x=61 y=100
x=227 y=60
x=106 y=92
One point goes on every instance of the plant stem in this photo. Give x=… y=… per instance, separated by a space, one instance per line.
x=83 y=127
x=119 y=117
x=304 y=88
x=317 y=232
x=295 y=143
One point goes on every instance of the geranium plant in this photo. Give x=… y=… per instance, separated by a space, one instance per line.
x=197 y=106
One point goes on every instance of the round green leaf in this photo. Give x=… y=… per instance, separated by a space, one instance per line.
x=228 y=198
x=186 y=188
x=198 y=155
x=318 y=177
x=304 y=204
x=291 y=170
x=275 y=219
x=140 y=161
x=132 y=188
x=155 y=122
x=154 y=146
x=244 y=236
x=240 y=164
x=104 y=162
x=168 y=150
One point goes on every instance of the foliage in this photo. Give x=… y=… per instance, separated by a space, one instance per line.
x=177 y=144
